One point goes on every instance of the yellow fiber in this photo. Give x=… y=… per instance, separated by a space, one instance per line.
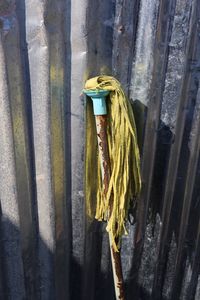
x=125 y=181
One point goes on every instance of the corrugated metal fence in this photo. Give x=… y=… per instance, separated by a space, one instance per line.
x=48 y=48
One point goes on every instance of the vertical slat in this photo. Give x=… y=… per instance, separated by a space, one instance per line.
x=68 y=140
x=78 y=69
x=39 y=57
x=10 y=225
x=22 y=158
x=56 y=15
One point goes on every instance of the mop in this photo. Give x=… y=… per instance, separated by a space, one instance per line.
x=112 y=163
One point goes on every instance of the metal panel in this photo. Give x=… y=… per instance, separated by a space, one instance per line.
x=49 y=248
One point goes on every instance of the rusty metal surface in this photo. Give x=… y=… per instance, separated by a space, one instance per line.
x=47 y=51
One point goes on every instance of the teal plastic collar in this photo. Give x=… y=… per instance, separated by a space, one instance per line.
x=99 y=100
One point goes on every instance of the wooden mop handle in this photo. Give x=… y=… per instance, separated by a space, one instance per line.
x=100 y=112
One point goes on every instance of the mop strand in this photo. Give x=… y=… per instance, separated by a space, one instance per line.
x=125 y=180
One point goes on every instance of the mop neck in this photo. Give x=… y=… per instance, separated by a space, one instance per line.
x=125 y=180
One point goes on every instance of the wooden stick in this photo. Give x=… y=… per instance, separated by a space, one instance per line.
x=106 y=171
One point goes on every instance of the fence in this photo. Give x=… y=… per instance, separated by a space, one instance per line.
x=48 y=49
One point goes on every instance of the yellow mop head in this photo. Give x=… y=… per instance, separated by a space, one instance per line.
x=125 y=182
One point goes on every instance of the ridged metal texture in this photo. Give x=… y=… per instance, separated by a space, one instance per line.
x=47 y=50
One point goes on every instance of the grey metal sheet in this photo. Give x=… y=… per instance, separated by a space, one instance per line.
x=49 y=248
